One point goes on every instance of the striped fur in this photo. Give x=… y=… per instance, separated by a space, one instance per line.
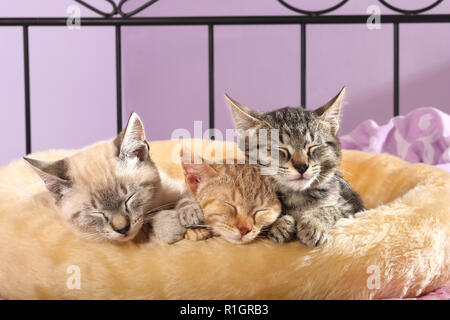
x=237 y=202
x=309 y=183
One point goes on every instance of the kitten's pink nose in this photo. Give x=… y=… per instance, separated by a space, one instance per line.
x=244 y=230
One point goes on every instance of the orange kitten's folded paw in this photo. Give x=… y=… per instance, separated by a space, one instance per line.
x=197 y=234
x=311 y=231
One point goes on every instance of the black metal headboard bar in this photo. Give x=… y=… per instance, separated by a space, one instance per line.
x=26 y=68
x=303 y=65
x=228 y=20
x=396 y=69
x=118 y=53
x=210 y=22
x=211 y=76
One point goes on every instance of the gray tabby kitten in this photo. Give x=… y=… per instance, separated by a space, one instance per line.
x=312 y=191
x=113 y=190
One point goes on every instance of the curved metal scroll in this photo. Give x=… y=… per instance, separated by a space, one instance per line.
x=135 y=11
x=117 y=9
x=312 y=13
x=100 y=12
x=410 y=12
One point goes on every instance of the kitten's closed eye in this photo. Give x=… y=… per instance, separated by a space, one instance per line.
x=128 y=203
x=223 y=209
x=260 y=212
x=261 y=215
x=264 y=217
x=313 y=148
x=99 y=214
x=285 y=154
x=331 y=144
x=230 y=206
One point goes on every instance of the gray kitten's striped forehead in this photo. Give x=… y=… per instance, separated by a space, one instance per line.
x=296 y=125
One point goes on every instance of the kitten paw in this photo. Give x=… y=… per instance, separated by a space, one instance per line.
x=166 y=227
x=197 y=234
x=190 y=215
x=282 y=230
x=311 y=231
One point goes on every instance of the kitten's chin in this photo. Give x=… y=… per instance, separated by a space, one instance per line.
x=240 y=241
x=235 y=239
x=122 y=237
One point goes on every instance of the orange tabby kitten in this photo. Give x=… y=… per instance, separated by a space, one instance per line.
x=237 y=202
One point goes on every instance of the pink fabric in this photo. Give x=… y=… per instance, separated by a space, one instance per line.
x=440 y=294
x=422 y=135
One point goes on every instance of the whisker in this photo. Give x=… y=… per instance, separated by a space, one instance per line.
x=200 y=226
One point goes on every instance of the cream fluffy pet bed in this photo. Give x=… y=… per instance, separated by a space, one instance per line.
x=398 y=248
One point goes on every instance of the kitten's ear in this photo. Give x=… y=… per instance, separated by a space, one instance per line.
x=54 y=174
x=330 y=111
x=243 y=117
x=132 y=140
x=195 y=169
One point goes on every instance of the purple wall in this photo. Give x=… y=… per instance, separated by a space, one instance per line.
x=251 y=71
x=72 y=86
x=165 y=70
x=166 y=79
x=12 y=113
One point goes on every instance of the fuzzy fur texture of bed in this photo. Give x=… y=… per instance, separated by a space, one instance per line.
x=405 y=235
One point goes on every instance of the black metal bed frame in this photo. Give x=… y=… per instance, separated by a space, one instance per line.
x=118 y=17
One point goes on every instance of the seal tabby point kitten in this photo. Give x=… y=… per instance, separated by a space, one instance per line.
x=309 y=184
x=112 y=189
x=237 y=202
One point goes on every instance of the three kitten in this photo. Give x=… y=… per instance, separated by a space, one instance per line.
x=113 y=190
x=310 y=186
